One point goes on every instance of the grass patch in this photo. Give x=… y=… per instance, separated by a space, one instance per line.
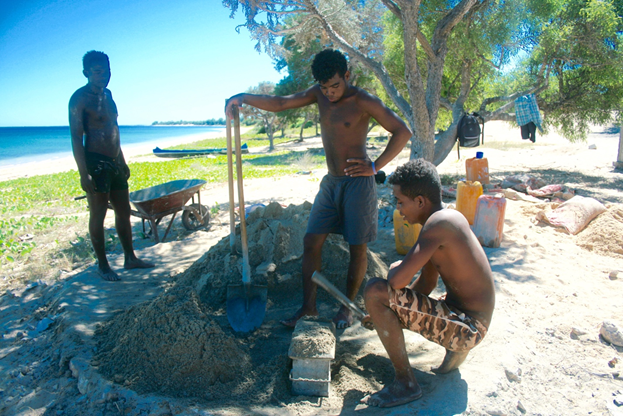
x=252 y=138
x=43 y=230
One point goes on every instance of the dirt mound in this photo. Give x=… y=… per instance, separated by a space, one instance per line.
x=275 y=240
x=180 y=343
x=169 y=346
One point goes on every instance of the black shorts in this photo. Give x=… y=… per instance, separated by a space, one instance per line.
x=347 y=206
x=107 y=173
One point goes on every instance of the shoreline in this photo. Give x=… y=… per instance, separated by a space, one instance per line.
x=67 y=163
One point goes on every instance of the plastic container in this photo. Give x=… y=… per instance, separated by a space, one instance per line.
x=490 y=214
x=406 y=235
x=466 y=198
x=477 y=169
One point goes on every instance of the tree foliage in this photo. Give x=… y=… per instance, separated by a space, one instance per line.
x=437 y=59
x=270 y=121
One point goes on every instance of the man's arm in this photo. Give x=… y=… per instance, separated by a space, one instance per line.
x=418 y=258
x=76 y=110
x=124 y=164
x=273 y=103
x=427 y=280
x=400 y=134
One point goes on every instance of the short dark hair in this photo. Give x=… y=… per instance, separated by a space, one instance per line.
x=418 y=177
x=327 y=63
x=93 y=57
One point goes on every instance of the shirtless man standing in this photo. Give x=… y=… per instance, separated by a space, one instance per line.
x=446 y=247
x=347 y=200
x=103 y=171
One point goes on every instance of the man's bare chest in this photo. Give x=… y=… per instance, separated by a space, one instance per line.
x=101 y=111
x=343 y=118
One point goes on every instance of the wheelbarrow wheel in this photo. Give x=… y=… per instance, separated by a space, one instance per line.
x=191 y=221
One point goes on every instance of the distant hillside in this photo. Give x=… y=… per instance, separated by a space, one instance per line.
x=211 y=122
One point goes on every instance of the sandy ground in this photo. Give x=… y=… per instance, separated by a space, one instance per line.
x=543 y=353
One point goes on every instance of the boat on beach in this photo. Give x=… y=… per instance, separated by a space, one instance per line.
x=193 y=152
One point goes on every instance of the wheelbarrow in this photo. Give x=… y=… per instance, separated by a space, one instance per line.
x=156 y=202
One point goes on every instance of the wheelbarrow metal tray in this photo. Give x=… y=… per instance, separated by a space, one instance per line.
x=165 y=197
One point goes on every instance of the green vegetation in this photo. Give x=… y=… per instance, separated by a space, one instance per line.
x=210 y=122
x=44 y=230
x=252 y=138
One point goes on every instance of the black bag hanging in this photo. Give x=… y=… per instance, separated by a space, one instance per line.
x=469 y=131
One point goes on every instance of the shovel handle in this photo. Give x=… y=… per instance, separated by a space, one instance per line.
x=237 y=148
x=230 y=183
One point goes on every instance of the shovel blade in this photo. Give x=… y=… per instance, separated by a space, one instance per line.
x=246 y=306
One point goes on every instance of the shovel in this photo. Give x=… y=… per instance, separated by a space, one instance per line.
x=246 y=303
x=320 y=279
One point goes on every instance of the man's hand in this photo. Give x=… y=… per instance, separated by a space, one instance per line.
x=235 y=100
x=360 y=167
x=86 y=183
x=367 y=323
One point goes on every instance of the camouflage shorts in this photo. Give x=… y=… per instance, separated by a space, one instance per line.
x=435 y=321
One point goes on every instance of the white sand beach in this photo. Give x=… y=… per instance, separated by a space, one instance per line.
x=80 y=345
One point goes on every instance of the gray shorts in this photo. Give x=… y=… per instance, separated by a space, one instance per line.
x=347 y=206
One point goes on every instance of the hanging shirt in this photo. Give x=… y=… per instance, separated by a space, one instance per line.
x=526 y=109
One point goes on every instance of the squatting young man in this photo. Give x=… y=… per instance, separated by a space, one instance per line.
x=347 y=199
x=103 y=171
x=446 y=247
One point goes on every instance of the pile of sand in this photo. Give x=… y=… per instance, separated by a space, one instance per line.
x=604 y=234
x=180 y=343
x=170 y=346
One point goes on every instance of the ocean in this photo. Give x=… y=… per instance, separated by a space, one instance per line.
x=31 y=144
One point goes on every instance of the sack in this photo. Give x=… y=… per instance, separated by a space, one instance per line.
x=573 y=215
x=469 y=131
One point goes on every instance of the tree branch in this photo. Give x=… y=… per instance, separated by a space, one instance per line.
x=392 y=7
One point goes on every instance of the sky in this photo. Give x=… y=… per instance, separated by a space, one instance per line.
x=170 y=60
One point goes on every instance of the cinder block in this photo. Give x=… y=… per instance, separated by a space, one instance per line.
x=312 y=349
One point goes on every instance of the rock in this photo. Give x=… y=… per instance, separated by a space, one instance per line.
x=521 y=407
x=577 y=332
x=265 y=268
x=612 y=363
x=44 y=324
x=513 y=376
x=615 y=274
x=593 y=147
x=611 y=333
x=496 y=412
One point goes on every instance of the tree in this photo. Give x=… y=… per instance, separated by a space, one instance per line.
x=269 y=120
x=297 y=60
x=461 y=54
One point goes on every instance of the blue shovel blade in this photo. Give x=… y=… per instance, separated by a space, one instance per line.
x=246 y=307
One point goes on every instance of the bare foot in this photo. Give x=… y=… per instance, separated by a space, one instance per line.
x=137 y=264
x=343 y=318
x=394 y=394
x=292 y=321
x=108 y=275
x=451 y=361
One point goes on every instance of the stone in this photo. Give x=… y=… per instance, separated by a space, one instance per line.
x=611 y=333
x=513 y=375
x=577 y=332
x=520 y=407
x=44 y=324
x=615 y=274
x=592 y=147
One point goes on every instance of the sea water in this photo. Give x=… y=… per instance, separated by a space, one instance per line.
x=31 y=144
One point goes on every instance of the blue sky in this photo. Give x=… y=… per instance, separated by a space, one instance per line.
x=170 y=60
